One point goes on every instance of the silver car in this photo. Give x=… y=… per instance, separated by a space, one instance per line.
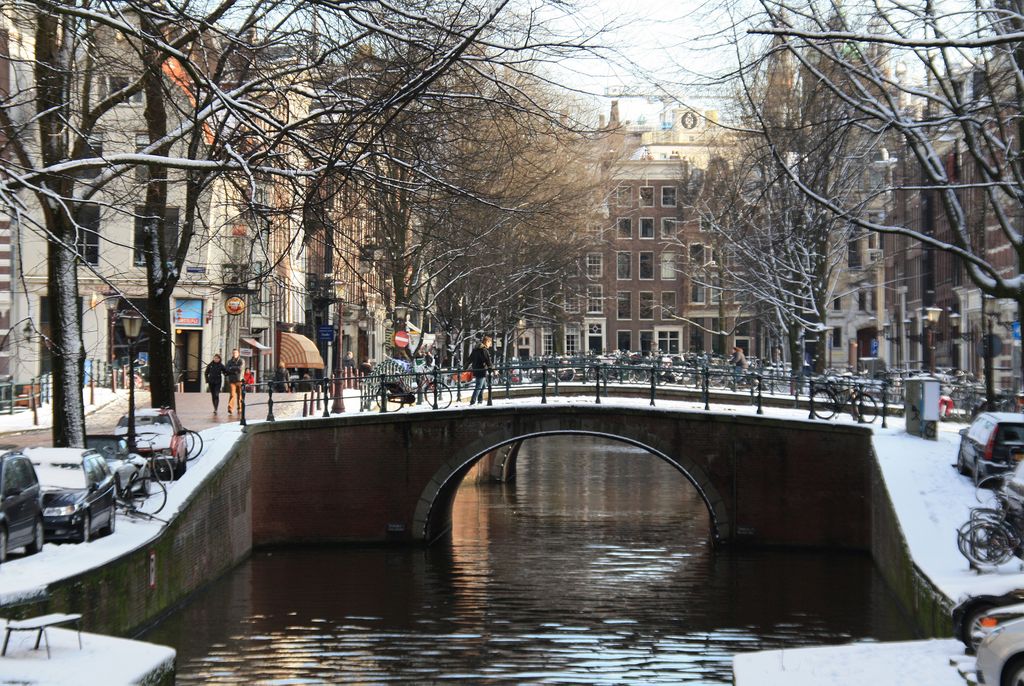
x=1000 y=659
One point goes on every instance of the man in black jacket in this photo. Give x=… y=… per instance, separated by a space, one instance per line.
x=480 y=363
x=214 y=374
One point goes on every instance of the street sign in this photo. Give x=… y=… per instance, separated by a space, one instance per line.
x=991 y=345
x=1016 y=331
x=874 y=347
x=401 y=339
x=325 y=332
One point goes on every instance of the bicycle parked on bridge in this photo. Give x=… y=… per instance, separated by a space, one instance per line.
x=832 y=397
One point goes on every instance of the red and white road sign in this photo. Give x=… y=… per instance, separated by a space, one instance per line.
x=401 y=339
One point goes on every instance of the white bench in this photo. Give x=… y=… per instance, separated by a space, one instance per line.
x=40 y=624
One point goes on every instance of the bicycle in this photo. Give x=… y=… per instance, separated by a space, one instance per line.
x=988 y=537
x=193 y=444
x=142 y=488
x=830 y=399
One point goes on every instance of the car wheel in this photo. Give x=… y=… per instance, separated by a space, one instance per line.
x=37 y=538
x=3 y=545
x=86 y=527
x=1013 y=672
x=972 y=624
x=961 y=465
x=111 y=523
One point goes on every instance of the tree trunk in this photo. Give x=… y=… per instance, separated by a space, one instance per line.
x=67 y=351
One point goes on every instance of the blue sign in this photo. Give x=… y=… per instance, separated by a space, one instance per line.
x=325 y=332
x=874 y=347
x=187 y=313
x=1016 y=331
x=142 y=358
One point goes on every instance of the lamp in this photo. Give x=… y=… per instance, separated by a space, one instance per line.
x=132 y=324
x=932 y=315
x=401 y=313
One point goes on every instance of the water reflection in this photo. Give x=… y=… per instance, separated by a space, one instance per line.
x=594 y=567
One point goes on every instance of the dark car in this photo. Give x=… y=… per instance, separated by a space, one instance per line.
x=992 y=444
x=78 y=493
x=21 y=516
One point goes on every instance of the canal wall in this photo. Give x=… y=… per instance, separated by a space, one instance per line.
x=923 y=601
x=210 y=534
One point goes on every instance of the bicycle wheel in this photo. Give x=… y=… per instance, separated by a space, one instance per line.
x=148 y=491
x=985 y=542
x=824 y=403
x=444 y=396
x=866 y=406
x=193 y=444
x=161 y=468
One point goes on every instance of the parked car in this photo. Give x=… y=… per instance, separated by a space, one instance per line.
x=21 y=506
x=123 y=464
x=975 y=617
x=1000 y=660
x=78 y=493
x=158 y=431
x=992 y=444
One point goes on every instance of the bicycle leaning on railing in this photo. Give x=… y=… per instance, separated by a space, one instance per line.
x=830 y=397
x=989 y=537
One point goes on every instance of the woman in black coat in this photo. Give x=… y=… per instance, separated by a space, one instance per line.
x=214 y=374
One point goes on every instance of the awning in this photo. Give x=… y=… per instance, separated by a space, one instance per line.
x=253 y=343
x=297 y=351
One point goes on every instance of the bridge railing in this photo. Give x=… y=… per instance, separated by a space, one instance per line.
x=395 y=387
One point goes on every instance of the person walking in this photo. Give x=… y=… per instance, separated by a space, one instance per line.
x=739 y=364
x=480 y=363
x=214 y=374
x=281 y=379
x=235 y=366
x=348 y=369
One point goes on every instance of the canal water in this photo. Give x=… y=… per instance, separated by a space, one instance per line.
x=593 y=567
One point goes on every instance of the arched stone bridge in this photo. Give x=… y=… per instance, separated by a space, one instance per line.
x=393 y=477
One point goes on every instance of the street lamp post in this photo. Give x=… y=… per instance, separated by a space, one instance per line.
x=932 y=315
x=132 y=324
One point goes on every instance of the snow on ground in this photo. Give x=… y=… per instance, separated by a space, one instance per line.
x=930 y=498
x=23 y=419
x=101 y=659
x=914 y=663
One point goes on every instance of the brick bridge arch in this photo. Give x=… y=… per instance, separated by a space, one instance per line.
x=393 y=477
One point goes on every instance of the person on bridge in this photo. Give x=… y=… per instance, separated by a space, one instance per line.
x=214 y=374
x=739 y=364
x=480 y=363
x=234 y=367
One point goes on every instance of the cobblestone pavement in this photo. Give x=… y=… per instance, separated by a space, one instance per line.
x=194 y=409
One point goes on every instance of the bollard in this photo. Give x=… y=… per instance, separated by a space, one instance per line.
x=508 y=382
x=597 y=381
x=860 y=405
x=705 y=383
x=270 y=403
x=383 y=397
x=92 y=383
x=32 y=403
x=544 y=384
x=326 y=393
x=338 y=406
x=241 y=405
x=654 y=381
x=760 y=390
x=885 y=401
x=810 y=392
x=305 y=399
x=436 y=384
x=489 y=401
x=316 y=398
x=113 y=379
x=419 y=388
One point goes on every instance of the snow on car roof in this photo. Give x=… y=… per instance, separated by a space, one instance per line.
x=58 y=467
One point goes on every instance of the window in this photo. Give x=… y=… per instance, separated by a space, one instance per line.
x=668 y=227
x=697 y=254
x=853 y=254
x=706 y=225
x=624 y=305
x=548 y=343
x=623 y=265
x=623 y=196
x=668 y=304
x=862 y=301
x=668 y=196
x=594 y=264
x=647 y=265
x=594 y=298
x=119 y=83
x=646 y=341
x=646 y=196
x=837 y=337
x=572 y=304
x=646 y=227
x=89 y=234
x=668 y=342
x=572 y=341
x=716 y=290
x=595 y=338
x=625 y=227
x=668 y=266
x=697 y=335
x=696 y=292
x=144 y=225
x=625 y=340
x=646 y=309
x=141 y=170
x=837 y=304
